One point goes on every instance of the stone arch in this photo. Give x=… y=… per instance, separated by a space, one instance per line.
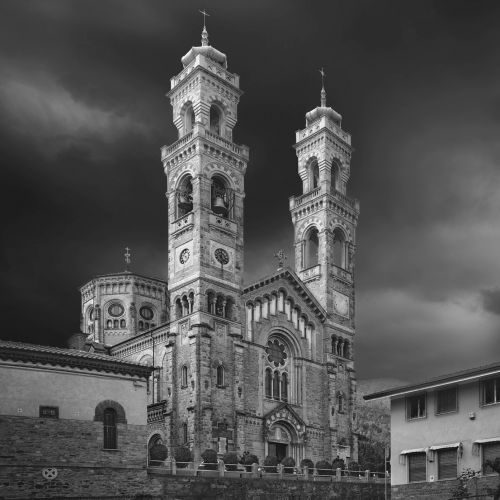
x=188 y=117
x=219 y=169
x=108 y=403
x=338 y=223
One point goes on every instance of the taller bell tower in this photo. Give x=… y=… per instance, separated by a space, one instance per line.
x=325 y=218
x=205 y=174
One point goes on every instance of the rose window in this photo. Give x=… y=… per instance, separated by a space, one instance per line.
x=276 y=352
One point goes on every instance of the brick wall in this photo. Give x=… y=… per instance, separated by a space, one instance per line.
x=442 y=489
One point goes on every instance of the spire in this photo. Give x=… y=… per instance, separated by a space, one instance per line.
x=323 y=91
x=204 y=33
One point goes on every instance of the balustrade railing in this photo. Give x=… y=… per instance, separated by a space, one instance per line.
x=166 y=150
x=266 y=472
x=156 y=412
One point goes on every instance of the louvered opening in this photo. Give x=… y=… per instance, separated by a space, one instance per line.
x=490 y=452
x=447 y=463
x=416 y=467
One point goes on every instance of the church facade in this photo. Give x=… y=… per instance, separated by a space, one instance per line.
x=265 y=367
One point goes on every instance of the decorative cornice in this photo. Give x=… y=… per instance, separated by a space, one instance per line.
x=56 y=356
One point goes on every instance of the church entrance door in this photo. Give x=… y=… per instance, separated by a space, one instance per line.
x=278 y=450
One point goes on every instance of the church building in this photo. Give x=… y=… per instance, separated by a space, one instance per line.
x=265 y=367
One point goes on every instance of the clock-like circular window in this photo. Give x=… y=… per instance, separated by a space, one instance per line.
x=221 y=256
x=184 y=256
x=116 y=310
x=146 y=312
x=276 y=352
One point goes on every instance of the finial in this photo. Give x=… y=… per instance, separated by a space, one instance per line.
x=323 y=91
x=281 y=256
x=127 y=259
x=204 y=33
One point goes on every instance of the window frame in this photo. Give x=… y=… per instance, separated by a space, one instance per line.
x=184 y=376
x=482 y=447
x=496 y=389
x=43 y=408
x=220 y=376
x=407 y=413
x=436 y=401
x=408 y=467
x=110 y=432
x=437 y=453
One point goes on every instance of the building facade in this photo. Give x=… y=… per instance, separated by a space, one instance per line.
x=440 y=428
x=265 y=367
x=72 y=423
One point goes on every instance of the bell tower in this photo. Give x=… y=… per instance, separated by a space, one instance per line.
x=205 y=176
x=324 y=217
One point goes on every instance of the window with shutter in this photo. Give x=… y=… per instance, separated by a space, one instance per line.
x=447 y=463
x=417 y=467
x=490 y=451
x=416 y=407
x=446 y=400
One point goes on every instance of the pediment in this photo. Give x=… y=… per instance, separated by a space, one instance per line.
x=289 y=278
x=285 y=414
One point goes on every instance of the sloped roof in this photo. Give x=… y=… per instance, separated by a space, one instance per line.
x=435 y=382
x=73 y=358
x=298 y=285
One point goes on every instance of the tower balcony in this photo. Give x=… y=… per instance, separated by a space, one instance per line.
x=298 y=201
x=310 y=273
x=341 y=273
x=323 y=123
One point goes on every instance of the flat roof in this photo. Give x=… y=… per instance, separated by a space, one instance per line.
x=442 y=380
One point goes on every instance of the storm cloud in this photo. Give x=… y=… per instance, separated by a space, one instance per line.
x=83 y=114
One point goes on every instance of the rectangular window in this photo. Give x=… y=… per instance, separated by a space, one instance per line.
x=447 y=463
x=491 y=391
x=416 y=407
x=49 y=412
x=417 y=467
x=490 y=451
x=447 y=400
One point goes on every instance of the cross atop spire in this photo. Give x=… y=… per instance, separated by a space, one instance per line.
x=323 y=91
x=127 y=255
x=204 y=33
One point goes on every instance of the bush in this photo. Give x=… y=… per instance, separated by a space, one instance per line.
x=247 y=460
x=230 y=461
x=270 y=463
x=181 y=455
x=338 y=463
x=324 y=468
x=158 y=453
x=307 y=463
x=209 y=457
x=288 y=463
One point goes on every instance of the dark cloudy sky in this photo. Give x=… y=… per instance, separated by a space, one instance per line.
x=83 y=116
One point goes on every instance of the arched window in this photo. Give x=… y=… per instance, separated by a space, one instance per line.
x=311 y=248
x=123 y=323
x=340 y=403
x=184 y=197
x=184 y=376
x=335 y=176
x=222 y=197
x=141 y=326
x=178 y=309
x=276 y=385
x=115 y=323
x=279 y=381
x=284 y=387
x=220 y=306
x=189 y=119
x=215 y=120
x=109 y=323
x=184 y=433
x=314 y=175
x=229 y=308
x=155 y=440
x=269 y=383
x=220 y=376
x=339 y=248
x=109 y=427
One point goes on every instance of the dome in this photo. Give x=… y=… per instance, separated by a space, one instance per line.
x=207 y=51
x=320 y=111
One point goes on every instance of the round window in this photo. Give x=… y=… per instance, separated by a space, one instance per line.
x=146 y=312
x=276 y=352
x=115 y=310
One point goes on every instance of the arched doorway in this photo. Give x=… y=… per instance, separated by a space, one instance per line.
x=279 y=442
